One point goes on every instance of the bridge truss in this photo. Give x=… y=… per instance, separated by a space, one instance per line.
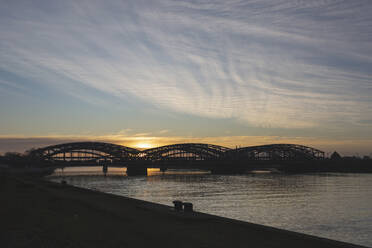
x=97 y=152
x=186 y=151
x=85 y=152
x=276 y=152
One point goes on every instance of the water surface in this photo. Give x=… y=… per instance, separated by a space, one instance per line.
x=336 y=206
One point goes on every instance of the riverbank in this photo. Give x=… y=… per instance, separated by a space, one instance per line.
x=36 y=213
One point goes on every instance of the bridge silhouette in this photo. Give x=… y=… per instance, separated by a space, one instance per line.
x=215 y=158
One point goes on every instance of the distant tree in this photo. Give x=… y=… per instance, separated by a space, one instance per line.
x=336 y=156
x=28 y=152
x=31 y=156
x=13 y=155
x=14 y=158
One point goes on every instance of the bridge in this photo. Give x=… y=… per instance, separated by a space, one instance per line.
x=215 y=158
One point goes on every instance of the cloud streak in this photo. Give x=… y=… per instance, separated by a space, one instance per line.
x=292 y=64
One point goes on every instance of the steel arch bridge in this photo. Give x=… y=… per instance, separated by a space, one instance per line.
x=276 y=152
x=85 y=152
x=97 y=152
x=186 y=151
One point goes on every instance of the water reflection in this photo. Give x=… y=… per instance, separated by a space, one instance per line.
x=88 y=170
x=329 y=205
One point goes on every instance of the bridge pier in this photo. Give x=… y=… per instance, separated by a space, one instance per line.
x=104 y=169
x=136 y=171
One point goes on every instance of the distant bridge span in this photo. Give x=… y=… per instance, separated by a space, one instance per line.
x=186 y=151
x=85 y=152
x=276 y=152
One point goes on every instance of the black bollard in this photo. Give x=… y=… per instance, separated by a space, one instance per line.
x=187 y=207
x=177 y=205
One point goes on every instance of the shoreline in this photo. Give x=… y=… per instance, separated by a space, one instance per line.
x=68 y=216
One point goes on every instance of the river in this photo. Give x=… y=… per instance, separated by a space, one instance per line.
x=331 y=205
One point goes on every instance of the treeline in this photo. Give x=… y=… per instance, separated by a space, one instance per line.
x=20 y=160
x=335 y=163
x=336 y=156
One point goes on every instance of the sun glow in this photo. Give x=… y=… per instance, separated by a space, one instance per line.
x=144 y=145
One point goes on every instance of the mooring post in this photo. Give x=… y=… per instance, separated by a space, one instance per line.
x=187 y=207
x=178 y=205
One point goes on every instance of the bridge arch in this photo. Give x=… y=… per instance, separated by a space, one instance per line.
x=276 y=152
x=95 y=152
x=185 y=151
x=85 y=151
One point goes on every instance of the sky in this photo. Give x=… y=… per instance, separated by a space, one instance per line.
x=150 y=73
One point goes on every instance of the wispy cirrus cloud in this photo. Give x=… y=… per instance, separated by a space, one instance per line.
x=282 y=64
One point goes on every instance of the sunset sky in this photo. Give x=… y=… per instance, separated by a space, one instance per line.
x=149 y=73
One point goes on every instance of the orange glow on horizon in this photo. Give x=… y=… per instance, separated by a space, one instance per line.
x=345 y=146
x=144 y=145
